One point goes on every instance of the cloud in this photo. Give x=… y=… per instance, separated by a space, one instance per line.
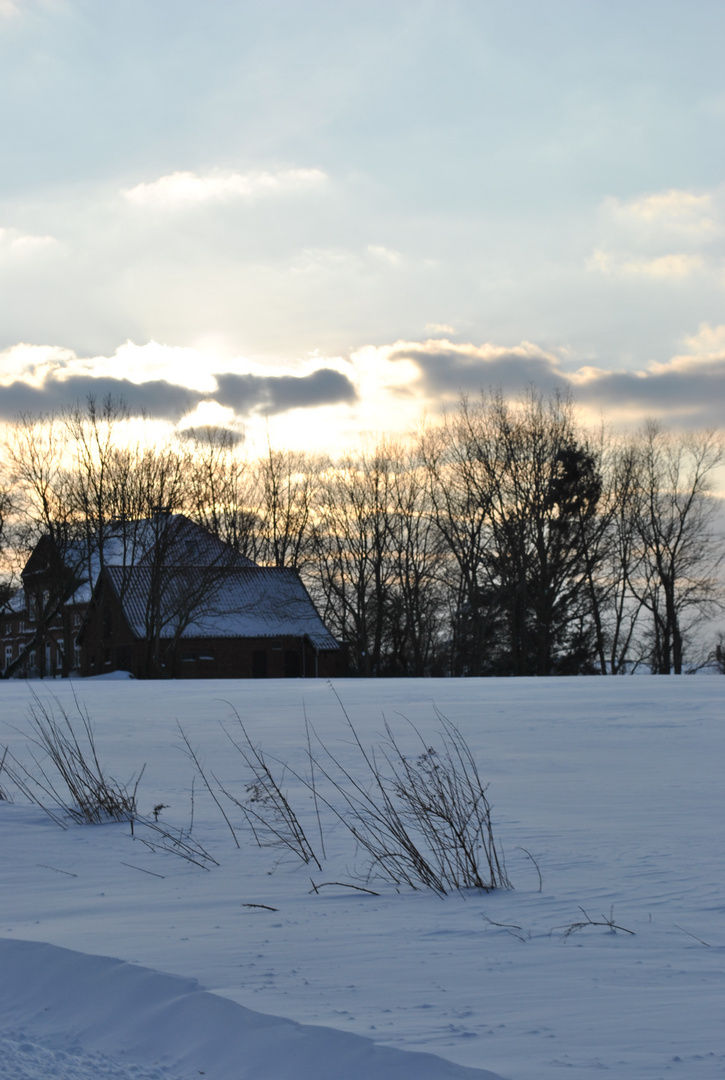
x=386 y=254
x=668 y=236
x=375 y=389
x=136 y=363
x=161 y=399
x=210 y=415
x=179 y=190
x=14 y=243
x=439 y=328
x=672 y=211
x=156 y=398
x=447 y=370
x=170 y=363
x=674 y=266
x=709 y=341
x=159 y=381
x=32 y=363
x=277 y=393
x=687 y=390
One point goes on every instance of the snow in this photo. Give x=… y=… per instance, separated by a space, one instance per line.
x=614 y=786
x=133 y=1014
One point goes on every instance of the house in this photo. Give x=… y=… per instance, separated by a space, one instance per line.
x=40 y=620
x=238 y=622
x=17 y=633
x=146 y=596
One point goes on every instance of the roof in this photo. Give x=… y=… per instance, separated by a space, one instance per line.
x=180 y=541
x=221 y=602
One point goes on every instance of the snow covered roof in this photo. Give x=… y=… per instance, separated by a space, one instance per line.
x=227 y=601
x=170 y=538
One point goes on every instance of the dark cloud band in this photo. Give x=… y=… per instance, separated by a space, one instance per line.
x=693 y=391
x=157 y=398
x=167 y=401
x=275 y=394
x=671 y=389
x=447 y=371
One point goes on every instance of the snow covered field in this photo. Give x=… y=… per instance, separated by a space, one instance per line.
x=615 y=787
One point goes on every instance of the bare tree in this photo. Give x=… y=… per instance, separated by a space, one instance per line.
x=676 y=577
x=222 y=491
x=7 y=509
x=353 y=542
x=287 y=491
x=416 y=605
x=515 y=491
x=46 y=524
x=96 y=478
x=460 y=500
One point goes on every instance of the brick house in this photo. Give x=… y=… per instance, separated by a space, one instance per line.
x=238 y=622
x=158 y=598
x=40 y=622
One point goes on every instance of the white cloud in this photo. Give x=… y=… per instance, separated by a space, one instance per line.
x=141 y=363
x=138 y=364
x=33 y=363
x=669 y=205
x=709 y=341
x=677 y=211
x=668 y=236
x=184 y=189
x=386 y=254
x=673 y=266
x=209 y=414
x=14 y=243
x=440 y=328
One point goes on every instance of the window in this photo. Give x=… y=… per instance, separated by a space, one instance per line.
x=291 y=664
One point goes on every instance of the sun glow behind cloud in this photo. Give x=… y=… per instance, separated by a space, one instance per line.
x=334 y=403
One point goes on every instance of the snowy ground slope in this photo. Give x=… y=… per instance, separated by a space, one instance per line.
x=613 y=785
x=96 y=1015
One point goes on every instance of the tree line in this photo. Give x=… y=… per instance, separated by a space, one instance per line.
x=503 y=539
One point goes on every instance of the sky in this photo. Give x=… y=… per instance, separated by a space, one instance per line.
x=324 y=221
